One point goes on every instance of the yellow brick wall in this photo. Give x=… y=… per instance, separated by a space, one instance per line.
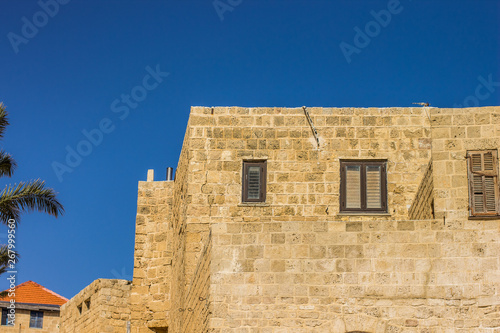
x=108 y=312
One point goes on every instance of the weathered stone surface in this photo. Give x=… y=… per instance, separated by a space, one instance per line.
x=205 y=262
x=101 y=307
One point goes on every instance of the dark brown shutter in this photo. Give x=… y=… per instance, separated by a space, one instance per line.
x=353 y=186
x=254 y=181
x=483 y=182
x=253 y=178
x=373 y=186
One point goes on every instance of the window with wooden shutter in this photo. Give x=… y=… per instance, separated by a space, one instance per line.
x=483 y=183
x=363 y=186
x=353 y=186
x=254 y=181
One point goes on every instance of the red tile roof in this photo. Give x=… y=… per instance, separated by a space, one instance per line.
x=31 y=292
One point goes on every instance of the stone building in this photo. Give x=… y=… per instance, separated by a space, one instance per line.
x=101 y=307
x=30 y=308
x=322 y=220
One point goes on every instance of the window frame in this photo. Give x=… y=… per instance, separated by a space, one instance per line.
x=262 y=185
x=383 y=186
x=470 y=183
x=36 y=321
x=5 y=318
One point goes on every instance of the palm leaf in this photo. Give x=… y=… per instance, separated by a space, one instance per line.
x=3 y=119
x=4 y=258
x=25 y=197
x=7 y=164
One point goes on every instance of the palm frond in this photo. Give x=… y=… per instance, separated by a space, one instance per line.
x=29 y=196
x=4 y=258
x=3 y=119
x=7 y=164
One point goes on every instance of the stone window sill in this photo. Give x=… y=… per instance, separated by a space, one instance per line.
x=495 y=217
x=363 y=214
x=253 y=204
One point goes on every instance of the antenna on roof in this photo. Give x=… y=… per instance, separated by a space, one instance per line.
x=425 y=105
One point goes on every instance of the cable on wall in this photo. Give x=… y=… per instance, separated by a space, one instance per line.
x=313 y=129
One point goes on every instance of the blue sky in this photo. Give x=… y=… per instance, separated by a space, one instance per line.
x=70 y=72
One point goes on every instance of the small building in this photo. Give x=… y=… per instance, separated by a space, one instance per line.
x=33 y=308
x=101 y=307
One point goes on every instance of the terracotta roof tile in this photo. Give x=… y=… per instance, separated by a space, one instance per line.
x=31 y=292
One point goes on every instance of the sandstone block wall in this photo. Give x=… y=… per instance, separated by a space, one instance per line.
x=303 y=180
x=196 y=315
x=422 y=207
x=395 y=275
x=454 y=131
x=297 y=264
x=206 y=262
x=179 y=278
x=101 y=307
x=150 y=299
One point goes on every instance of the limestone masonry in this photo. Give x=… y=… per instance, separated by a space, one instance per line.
x=359 y=220
x=101 y=307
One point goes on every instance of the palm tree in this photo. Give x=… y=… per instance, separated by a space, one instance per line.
x=4 y=260
x=23 y=197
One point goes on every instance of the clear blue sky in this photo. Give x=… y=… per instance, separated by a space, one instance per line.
x=70 y=73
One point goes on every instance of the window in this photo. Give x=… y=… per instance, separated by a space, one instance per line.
x=483 y=183
x=5 y=318
x=363 y=186
x=254 y=181
x=36 y=319
x=87 y=303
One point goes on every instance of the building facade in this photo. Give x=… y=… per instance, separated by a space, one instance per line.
x=31 y=308
x=323 y=220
